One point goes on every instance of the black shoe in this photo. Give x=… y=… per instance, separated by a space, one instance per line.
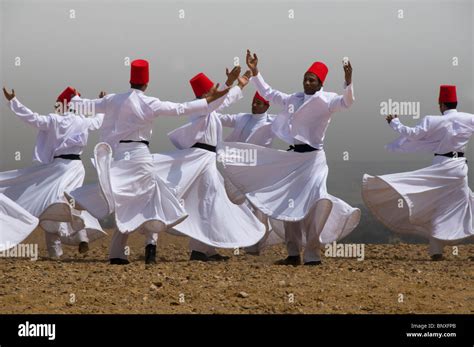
x=199 y=256
x=83 y=247
x=150 y=254
x=313 y=263
x=293 y=260
x=218 y=257
x=437 y=257
x=119 y=261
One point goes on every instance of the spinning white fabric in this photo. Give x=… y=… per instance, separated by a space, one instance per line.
x=128 y=184
x=287 y=186
x=140 y=199
x=15 y=223
x=436 y=200
x=40 y=189
x=213 y=219
x=290 y=186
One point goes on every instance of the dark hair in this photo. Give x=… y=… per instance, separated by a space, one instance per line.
x=137 y=86
x=450 y=105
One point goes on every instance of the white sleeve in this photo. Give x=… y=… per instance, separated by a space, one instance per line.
x=96 y=105
x=227 y=120
x=30 y=117
x=272 y=95
x=344 y=101
x=234 y=95
x=168 y=108
x=416 y=132
x=95 y=122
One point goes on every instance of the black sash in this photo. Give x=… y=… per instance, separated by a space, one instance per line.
x=142 y=141
x=69 y=156
x=205 y=146
x=451 y=155
x=302 y=148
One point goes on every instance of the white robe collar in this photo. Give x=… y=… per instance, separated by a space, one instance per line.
x=449 y=111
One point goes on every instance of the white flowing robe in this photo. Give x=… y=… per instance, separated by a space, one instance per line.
x=287 y=186
x=128 y=183
x=249 y=128
x=40 y=189
x=213 y=219
x=436 y=200
x=16 y=223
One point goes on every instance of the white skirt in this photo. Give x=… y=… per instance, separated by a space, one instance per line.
x=286 y=186
x=15 y=223
x=213 y=218
x=432 y=202
x=129 y=187
x=40 y=189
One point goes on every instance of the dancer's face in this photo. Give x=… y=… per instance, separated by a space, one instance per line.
x=442 y=108
x=311 y=83
x=259 y=107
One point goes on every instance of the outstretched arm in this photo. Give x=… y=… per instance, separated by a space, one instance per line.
x=25 y=114
x=272 y=95
x=191 y=108
x=96 y=105
x=417 y=132
x=344 y=101
x=234 y=94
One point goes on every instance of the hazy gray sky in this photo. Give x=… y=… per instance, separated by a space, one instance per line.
x=403 y=59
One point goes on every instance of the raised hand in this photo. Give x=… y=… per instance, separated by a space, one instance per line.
x=232 y=75
x=9 y=96
x=389 y=118
x=347 y=72
x=252 y=62
x=215 y=94
x=102 y=94
x=244 y=79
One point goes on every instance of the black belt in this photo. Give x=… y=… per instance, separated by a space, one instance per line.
x=302 y=148
x=205 y=146
x=142 y=141
x=451 y=155
x=69 y=156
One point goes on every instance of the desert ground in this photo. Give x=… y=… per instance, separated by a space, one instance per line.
x=393 y=278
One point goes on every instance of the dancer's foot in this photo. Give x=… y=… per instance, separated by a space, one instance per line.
x=83 y=247
x=293 y=260
x=119 y=261
x=150 y=254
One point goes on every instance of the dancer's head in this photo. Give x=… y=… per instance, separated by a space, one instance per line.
x=139 y=74
x=259 y=104
x=314 y=78
x=63 y=100
x=447 y=98
x=201 y=85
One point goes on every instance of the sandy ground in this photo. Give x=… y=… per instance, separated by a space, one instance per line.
x=391 y=279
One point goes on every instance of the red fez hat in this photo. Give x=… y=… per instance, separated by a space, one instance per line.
x=319 y=69
x=139 y=73
x=447 y=94
x=201 y=84
x=259 y=97
x=67 y=95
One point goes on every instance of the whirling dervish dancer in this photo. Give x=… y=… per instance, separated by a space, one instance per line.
x=434 y=202
x=129 y=185
x=58 y=168
x=255 y=128
x=214 y=221
x=291 y=186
